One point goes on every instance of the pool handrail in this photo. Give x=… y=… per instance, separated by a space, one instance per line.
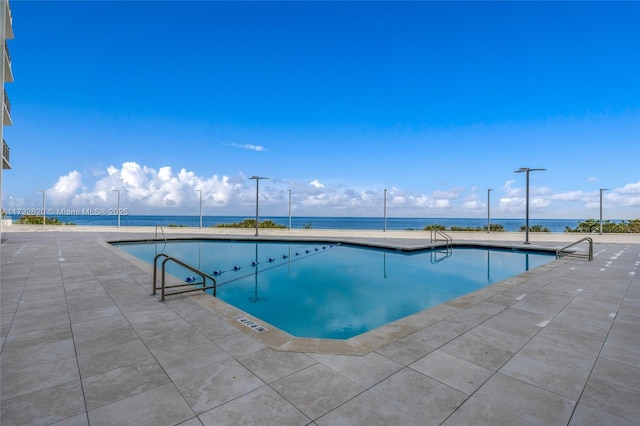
x=447 y=238
x=163 y=286
x=161 y=230
x=589 y=255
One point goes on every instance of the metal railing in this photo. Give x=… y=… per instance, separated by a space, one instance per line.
x=5 y=151
x=6 y=49
x=589 y=255
x=447 y=238
x=162 y=231
x=163 y=287
x=7 y=103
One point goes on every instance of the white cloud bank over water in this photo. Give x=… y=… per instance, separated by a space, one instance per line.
x=165 y=191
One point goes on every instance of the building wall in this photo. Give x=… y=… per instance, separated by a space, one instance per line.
x=6 y=32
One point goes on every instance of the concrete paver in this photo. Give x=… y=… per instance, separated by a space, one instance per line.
x=83 y=342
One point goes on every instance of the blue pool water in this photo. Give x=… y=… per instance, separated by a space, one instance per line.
x=337 y=291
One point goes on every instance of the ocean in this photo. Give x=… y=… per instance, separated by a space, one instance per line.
x=315 y=222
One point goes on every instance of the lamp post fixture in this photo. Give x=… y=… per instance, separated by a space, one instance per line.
x=257 y=179
x=527 y=170
x=489 y=210
x=200 y=191
x=601 y=191
x=385 y=210
x=118 y=191
x=289 y=209
x=44 y=206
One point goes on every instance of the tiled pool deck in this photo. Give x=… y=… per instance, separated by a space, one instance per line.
x=84 y=342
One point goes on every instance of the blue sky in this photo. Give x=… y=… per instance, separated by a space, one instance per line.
x=434 y=101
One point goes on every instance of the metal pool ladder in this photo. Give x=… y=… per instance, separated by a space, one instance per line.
x=447 y=251
x=161 y=230
x=589 y=255
x=193 y=285
x=447 y=238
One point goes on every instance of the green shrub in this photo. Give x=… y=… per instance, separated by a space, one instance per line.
x=535 y=228
x=465 y=228
x=592 y=225
x=434 y=227
x=250 y=223
x=30 y=219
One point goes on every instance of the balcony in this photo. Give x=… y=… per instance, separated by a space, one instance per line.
x=8 y=22
x=8 y=73
x=5 y=155
x=6 y=111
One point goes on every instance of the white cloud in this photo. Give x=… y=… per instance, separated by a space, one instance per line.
x=248 y=146
x=515 y=199
x=441 y=204
x=627 y=196
x=396 y=200
x=164 y=173
x=446 y=195
x=512 y=200
x=473 y=205
x=12 y=202
x=569 y=196
x=442 y=200
x=512 y=204
x=419 y=201
x=630 y=189
x=509 y=190
x=592 y=205
x=540 y=190
x=65 y=188
x=539 y=203
x=147 y=190
x=143 y=188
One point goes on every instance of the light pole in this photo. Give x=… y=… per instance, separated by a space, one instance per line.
x=257 y=179
x=200 y=191
x=385 y=210
x=289 y=209
x=44 y=206
x=527 y=170
x=601 y=191
x=118 y=191
x=489 y=210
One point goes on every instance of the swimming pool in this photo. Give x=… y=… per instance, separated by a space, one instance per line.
x=337 y=291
